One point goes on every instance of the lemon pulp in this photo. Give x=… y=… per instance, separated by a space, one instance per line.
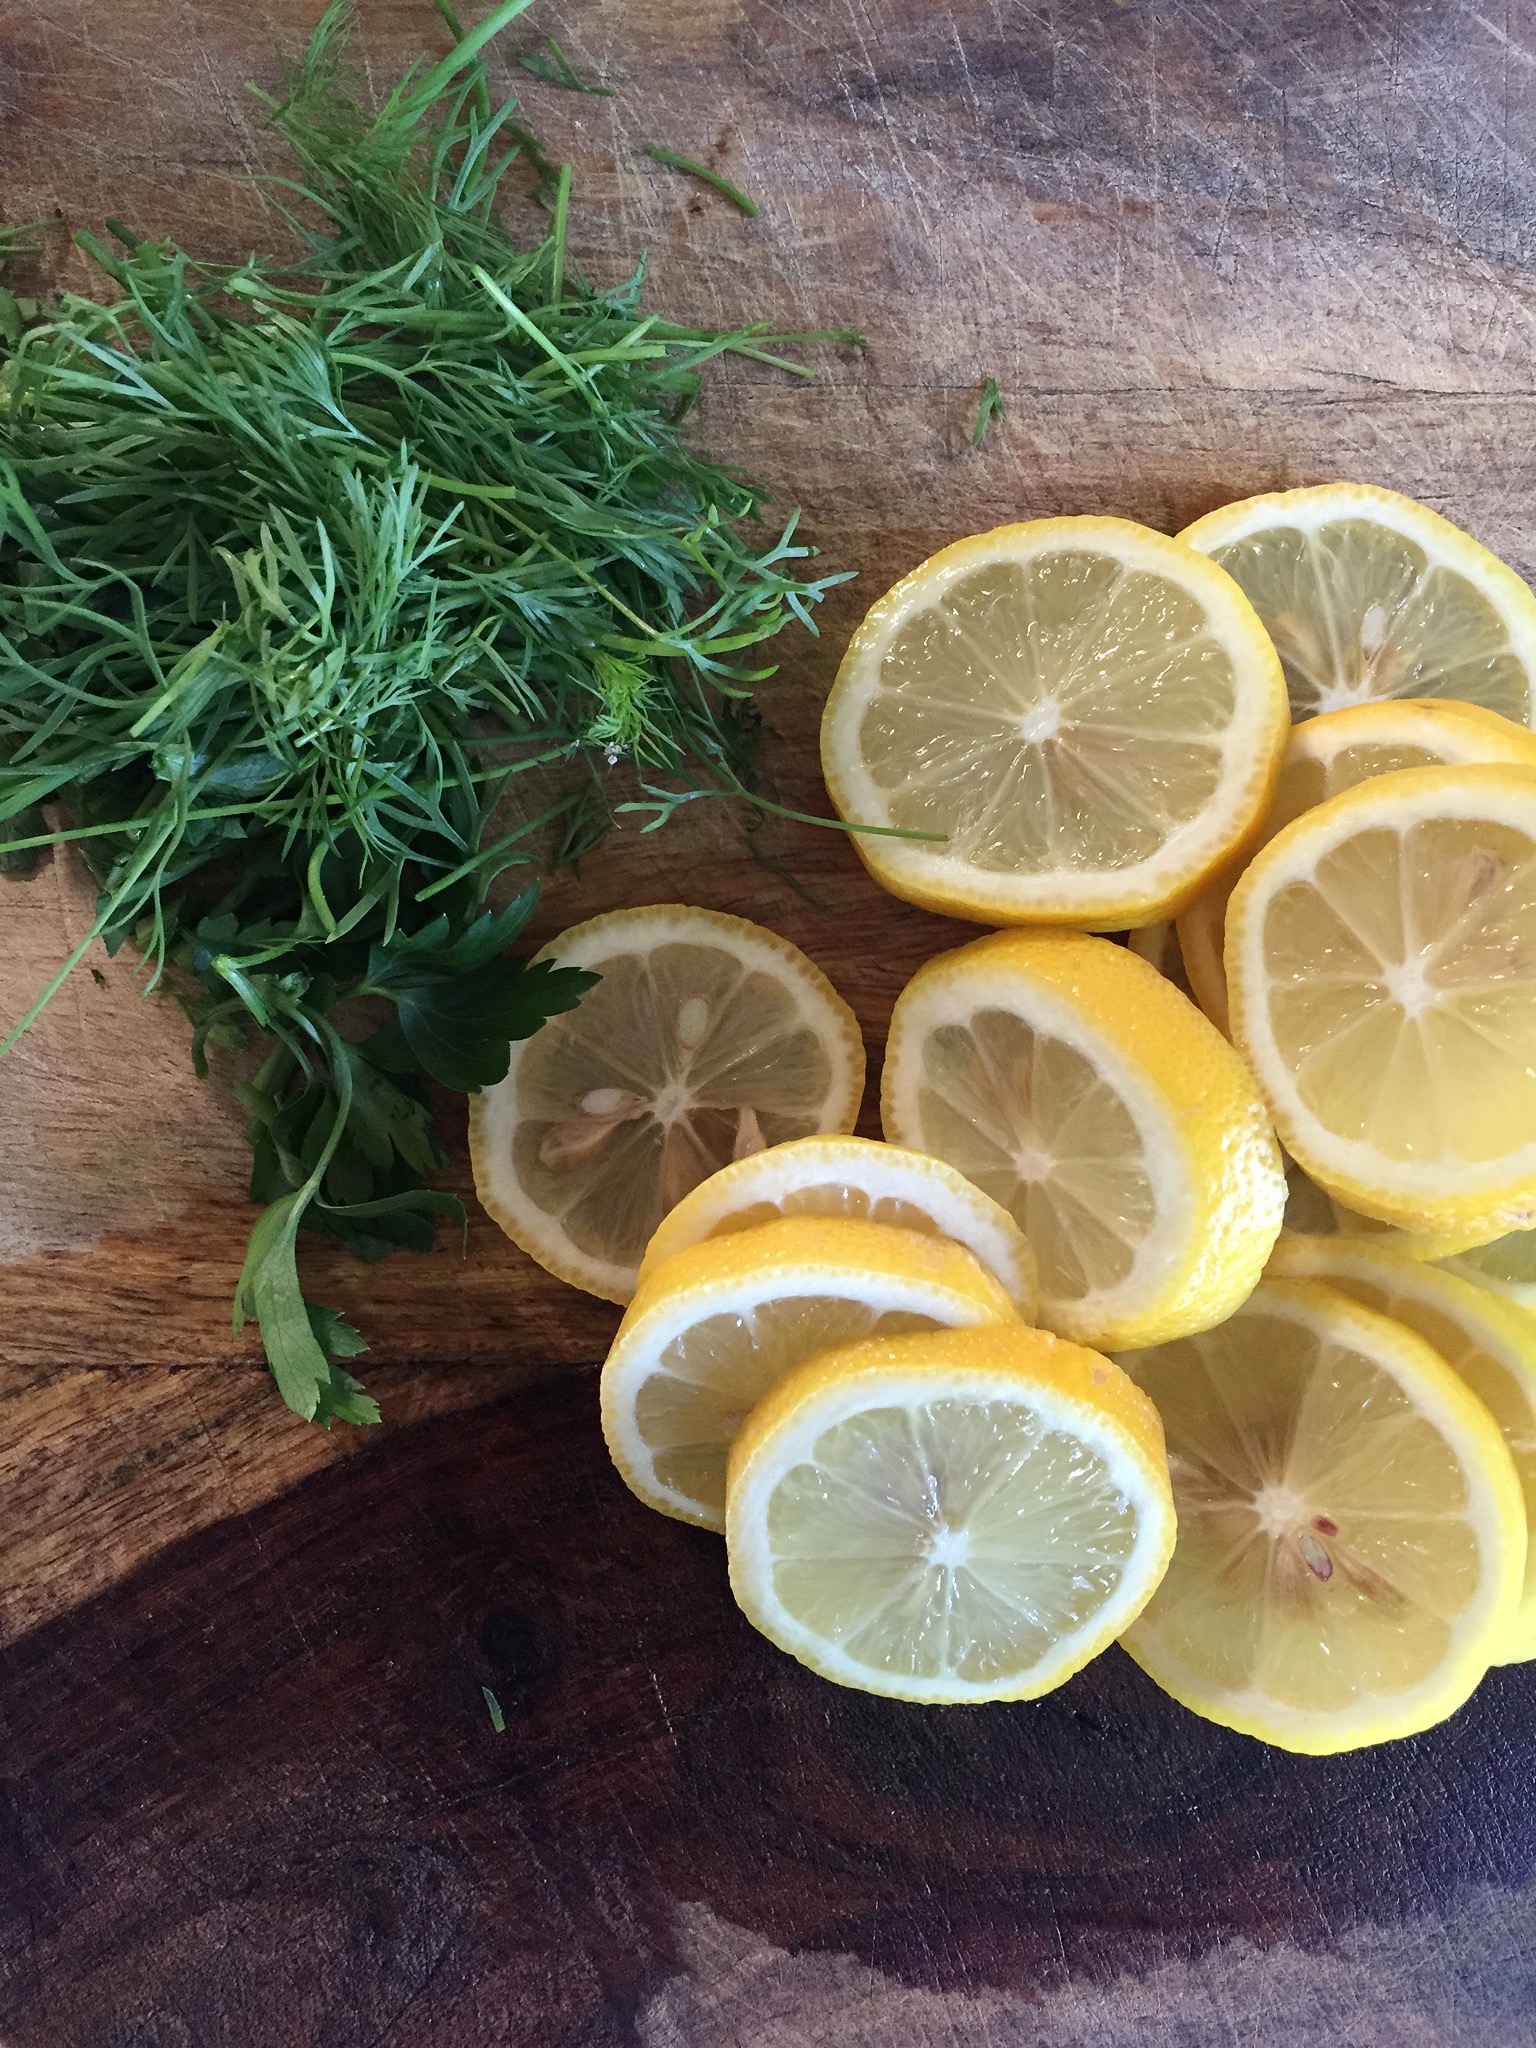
x=1403 y=989
x=964 y=1516
x=1367 y=594
x=1486 y=1342
x=993 y=723
x=1082 y=716
x=1038 y=1127
x=705 y=1039
x=963 y=1537
x=713 y=1375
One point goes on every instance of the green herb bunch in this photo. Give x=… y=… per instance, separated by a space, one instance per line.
x=303 y=563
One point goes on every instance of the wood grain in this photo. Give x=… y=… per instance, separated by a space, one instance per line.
x=1204 y=251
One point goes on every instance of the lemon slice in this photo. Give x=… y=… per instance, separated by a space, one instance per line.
x=952 y=1518
x=1311 y=1212
x=1088 y=715
x=1075 y=1085
x=853 y=1177
x=1486 y=1342
x=1381 y=954
x=706 y=1039
x=1333 y=753
x=713 y=1328
x=1506 y=1267
x=1368 y=594
x=1351 y=1543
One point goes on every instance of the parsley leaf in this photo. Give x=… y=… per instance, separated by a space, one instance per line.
x=458 y=1004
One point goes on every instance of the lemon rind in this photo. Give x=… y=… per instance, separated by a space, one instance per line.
x=889 y=1269
x=965 y=1214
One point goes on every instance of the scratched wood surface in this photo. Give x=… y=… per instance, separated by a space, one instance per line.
x=251 y=1798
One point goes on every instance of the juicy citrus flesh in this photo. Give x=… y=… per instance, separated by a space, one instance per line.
x=1367 y=594
x=1351 y=1539
x=717 y=1326
x=862 y=1180
x=1088 y=721
x=1486 y=1343
x=706 y=1038
x=1326 y=756
x=952 y=1518
x=1069 y=1080
x=1382 y=956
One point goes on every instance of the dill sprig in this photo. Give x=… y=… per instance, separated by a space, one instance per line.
x=304 y=564
x=989 y=408
x=557 y=69
x=706 y=176
x=17 y=314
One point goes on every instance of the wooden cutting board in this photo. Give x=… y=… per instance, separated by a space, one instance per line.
x=252 y=1797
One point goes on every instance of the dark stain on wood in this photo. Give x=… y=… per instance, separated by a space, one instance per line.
x=260 y=1779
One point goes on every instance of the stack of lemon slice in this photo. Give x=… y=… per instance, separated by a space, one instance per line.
x=828 y=1356
x=828 y=1349
x=1081 y=1353
x=1353 y=1445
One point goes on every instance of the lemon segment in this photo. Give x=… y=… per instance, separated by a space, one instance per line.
x=1076 y=1086
x=1088 y=715
x=1381 y=954
x=706 y=1039
x=1351 y=1547
x=966 y=1516
x=1326 y=756
x=853 y=1177
x=1486 y=1342
x=717 y=1326
x=1368 y=594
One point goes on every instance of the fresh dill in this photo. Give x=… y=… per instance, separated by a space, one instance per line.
x=17 y=314
x=557 y=69
x=702 y=171
x=308 y=567
x=989 y=408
